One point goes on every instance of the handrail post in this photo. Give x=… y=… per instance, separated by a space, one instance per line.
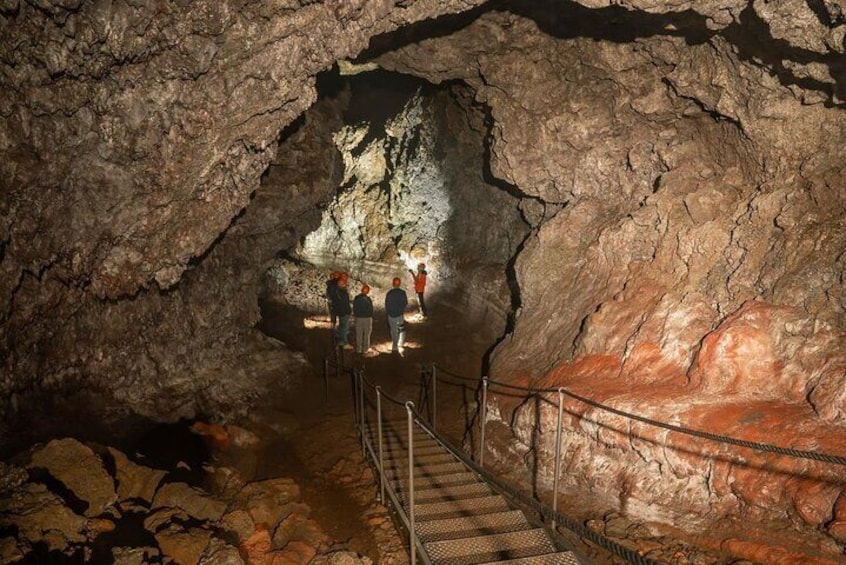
x=484 y=417
x=354 y=381
x=361 y=411
x=337 y=362
x=326 y=381
x=381 y=456
x=434 y=397
x=557 y=456
x=409 y=406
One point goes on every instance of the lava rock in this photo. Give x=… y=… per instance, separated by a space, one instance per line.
x=79 y=469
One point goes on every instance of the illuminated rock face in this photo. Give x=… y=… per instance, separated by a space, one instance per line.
x=413 y=191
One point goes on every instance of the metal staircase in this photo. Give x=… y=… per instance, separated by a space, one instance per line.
x=458 y=518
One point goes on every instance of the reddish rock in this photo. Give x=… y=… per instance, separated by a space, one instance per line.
x=216 y=433
x=257 y=546
x=295 y=553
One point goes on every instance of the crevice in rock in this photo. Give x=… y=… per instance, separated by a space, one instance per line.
x=54 y=485
x=756 y=45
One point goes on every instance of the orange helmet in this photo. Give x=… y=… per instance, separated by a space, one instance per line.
x=335 y=275
x=421 y=266
x=343 y=277
x=342 y=282
x=397 y=282
x=365 y=289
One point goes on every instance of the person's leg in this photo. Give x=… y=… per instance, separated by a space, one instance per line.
x=343 y=329
x=366 y=330
x=400 y=331
x=393 y=325
x=359 y=334
x=422 y=304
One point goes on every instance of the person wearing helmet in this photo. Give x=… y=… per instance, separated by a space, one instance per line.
x=420 y=286
x=342 y=308
x=395 y=302
x=331 y=291
x=363 y=312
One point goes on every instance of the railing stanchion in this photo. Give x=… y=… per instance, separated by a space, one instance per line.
x=381 y=456
x=434 y=397
x=326 y=380
x=354 y=382
x=557 y=456
x=484 y=417
x=361 y=411
x=411 y=535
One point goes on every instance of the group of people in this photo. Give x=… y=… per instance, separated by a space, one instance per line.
x=361 y=307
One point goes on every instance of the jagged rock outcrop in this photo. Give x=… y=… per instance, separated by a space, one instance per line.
x=693 y=271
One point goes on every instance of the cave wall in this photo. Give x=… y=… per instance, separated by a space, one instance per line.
x=414 y=189
x=692 y=269
x=133 y=135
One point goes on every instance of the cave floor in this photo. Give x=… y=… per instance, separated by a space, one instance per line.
x=339 y=487
x=309 y=433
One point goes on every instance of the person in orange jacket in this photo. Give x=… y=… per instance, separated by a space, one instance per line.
x=420 y=286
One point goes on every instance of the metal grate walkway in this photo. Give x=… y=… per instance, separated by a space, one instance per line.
x=459 y=519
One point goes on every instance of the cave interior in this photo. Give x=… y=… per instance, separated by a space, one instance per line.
x=641 y=203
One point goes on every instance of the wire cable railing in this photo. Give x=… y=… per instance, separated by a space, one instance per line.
x=551 y=516
x=486 y=383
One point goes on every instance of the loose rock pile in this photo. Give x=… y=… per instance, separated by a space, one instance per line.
x=86 y=502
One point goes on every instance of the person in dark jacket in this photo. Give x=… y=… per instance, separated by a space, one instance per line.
x=363 y=312
x=331 y=290
x=395 y=302
x=341 y=305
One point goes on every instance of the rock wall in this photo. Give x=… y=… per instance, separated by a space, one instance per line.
x=133 y=135
x=692 y=266
x=414 y=190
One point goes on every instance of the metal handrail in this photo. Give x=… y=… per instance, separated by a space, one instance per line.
x=409 y=520
x=415 y=544
x=719 y=438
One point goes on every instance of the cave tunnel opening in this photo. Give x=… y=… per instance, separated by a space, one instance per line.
x=410 y=184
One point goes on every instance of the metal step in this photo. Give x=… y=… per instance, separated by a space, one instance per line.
x=492 y=548
x=448 y=492
x=433 y=481
x=560 y=558
x=439 y=456
x=460 y=508
x=424 y=469
x=472 y=526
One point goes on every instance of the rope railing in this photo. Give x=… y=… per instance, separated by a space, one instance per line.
x=719 y=438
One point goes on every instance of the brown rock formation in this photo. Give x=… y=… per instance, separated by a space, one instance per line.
x=679 y=163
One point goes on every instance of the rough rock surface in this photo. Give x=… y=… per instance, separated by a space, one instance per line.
x=79 y=469
x=680 y=164
x=183 y=524
x=413 y=190
x=133 y=136
x=693 y=271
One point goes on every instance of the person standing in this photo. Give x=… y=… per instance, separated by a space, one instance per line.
x=395 y=302
x=331 y=291
x=363 y=312
x=342 y=308
x=420 y=286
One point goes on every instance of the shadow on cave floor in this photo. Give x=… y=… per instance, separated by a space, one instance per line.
x=314 y=440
